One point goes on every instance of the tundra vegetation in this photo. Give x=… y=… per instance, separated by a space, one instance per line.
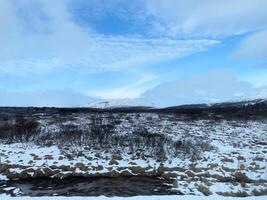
x=202 y=149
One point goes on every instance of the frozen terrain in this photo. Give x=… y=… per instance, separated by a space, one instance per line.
x=197 y=151
x=187 y=197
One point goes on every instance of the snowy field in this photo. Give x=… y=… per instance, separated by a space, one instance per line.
x=204 y=156
x=187 y=197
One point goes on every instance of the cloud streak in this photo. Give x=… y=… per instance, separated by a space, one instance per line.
x=253 y=46
x=53 y=40
x=50 y=38
x=207 y=18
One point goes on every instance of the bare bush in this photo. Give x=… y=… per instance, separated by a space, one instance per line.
x=100 y=134
x=19 y=129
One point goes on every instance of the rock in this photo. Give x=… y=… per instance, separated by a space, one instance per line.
x=60 y=158
x=80 y=154
x=11 y=175
x=113 y=162
x=49 y=172
x=69 y=157
x=48 y=157
x=24 y=175
x=197 y=170
x=241 y=158
x=86 y=174
x=27 y=173
x=171 y=169
x=116 y=157
x=190 y=173
x=212 y=165
x=30 y=162
x=35 y=157
x=126 y=173
x=169 y=175
x=226 y=159
x=99 y=168
x=4 y=167
x=242 y=178
x=65 y=168
x=221 y=178
x=81 y=166
x=120 y=168
x=39 y=173
x=89 y=158
x=97 y=155
x=204 y=189
x=152 y=173
x=61 y=175
x=132 y=163
x=113 y=174
x=54 y=167
x=137 y=170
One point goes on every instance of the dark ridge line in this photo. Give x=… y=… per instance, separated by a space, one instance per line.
x=258 y=106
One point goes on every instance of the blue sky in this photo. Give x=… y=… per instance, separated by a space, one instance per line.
x=167 y=52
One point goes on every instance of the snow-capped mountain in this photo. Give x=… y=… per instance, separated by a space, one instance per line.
x=141 y=102
x=114 y=103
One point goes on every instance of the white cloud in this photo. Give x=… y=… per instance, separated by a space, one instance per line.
x=58 y=98
x=253 y=46
x=54 y=40
x=208 y=18
x=130 y=90
x=258 y=78
x=216 y=86
x=37 y=36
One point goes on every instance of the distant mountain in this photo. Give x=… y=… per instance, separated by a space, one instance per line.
x=249 y=103
x=142 y=102
x=119 y=103
x=238 y=104
x=227 y=110
x=247 y=108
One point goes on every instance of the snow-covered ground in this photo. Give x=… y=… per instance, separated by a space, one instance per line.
x=169 y=197
x=236 y=165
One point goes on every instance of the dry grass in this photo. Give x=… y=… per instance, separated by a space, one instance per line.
x=204 y=190
x=226 y=159
x=234 y=194
x=259 y=158
x=261 y=192
x=226 y=169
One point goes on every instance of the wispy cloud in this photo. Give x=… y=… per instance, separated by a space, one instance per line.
x=130 y=90
x=253 y=46
x=62 y=43
x=207 y=18
x=53 y=39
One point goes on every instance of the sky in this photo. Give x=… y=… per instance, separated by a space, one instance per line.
x=162 y=52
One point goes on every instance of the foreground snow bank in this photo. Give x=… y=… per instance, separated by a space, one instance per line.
x=174 y=197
